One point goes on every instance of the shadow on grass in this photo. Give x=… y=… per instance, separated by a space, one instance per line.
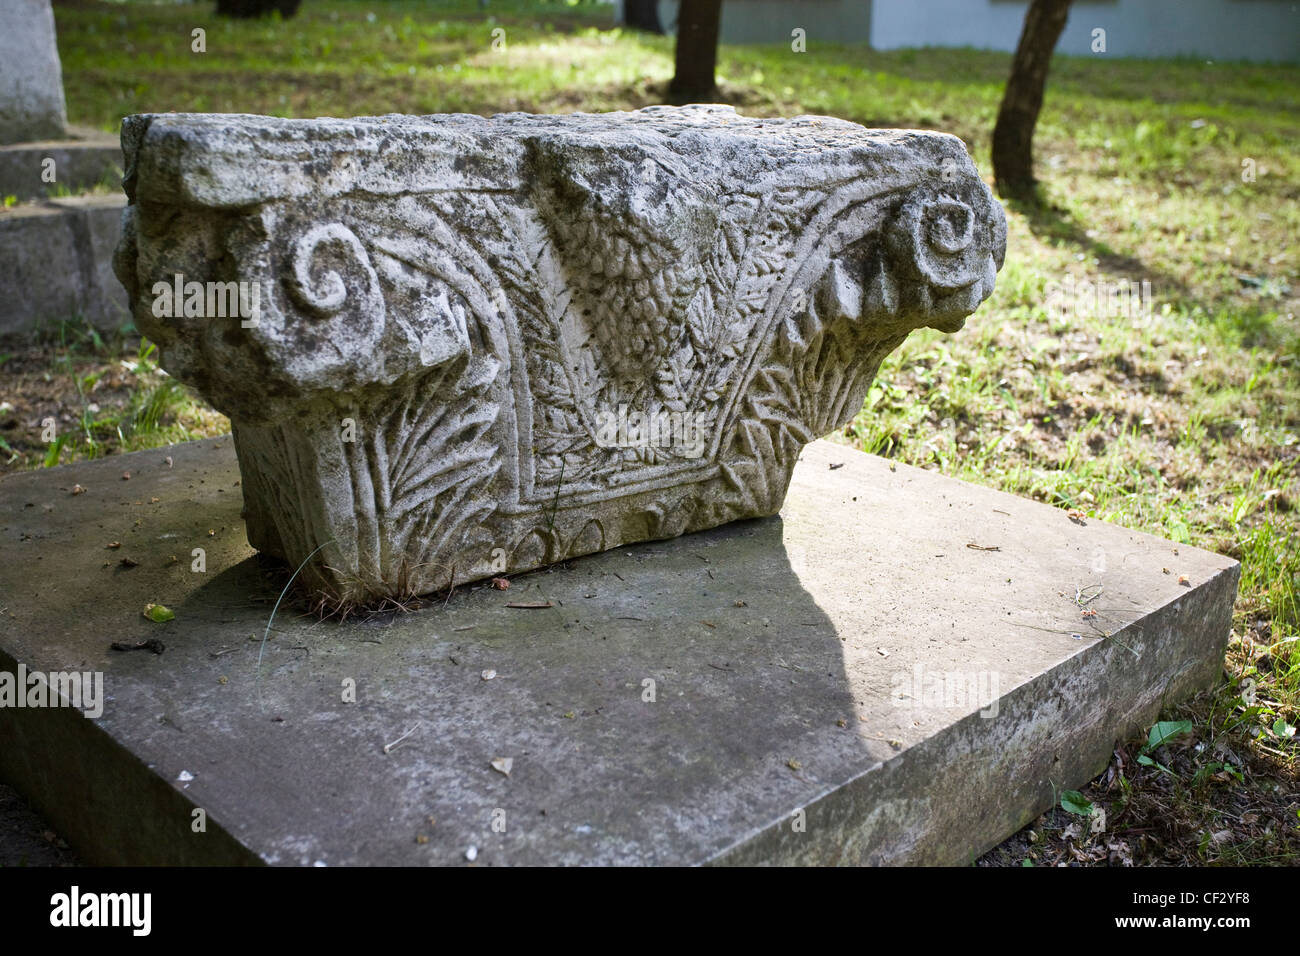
x=1053 y=224
x=1250 y=326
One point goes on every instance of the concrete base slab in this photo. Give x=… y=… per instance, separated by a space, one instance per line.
x=87 y=159
x=56 y=263
x=894 y=670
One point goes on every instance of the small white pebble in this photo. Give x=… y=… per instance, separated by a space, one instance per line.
x=488 y=674
x=471 y=854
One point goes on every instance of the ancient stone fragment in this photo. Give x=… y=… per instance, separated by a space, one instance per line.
x=455 y=347
x=31 y=79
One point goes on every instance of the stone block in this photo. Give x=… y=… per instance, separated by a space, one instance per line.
x=31 y=83
x=74 y=165
x=846 y=683
x=56 y=264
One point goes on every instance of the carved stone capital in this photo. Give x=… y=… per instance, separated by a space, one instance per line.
x=471 y=346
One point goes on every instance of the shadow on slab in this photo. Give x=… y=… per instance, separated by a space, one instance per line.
x=676 y=695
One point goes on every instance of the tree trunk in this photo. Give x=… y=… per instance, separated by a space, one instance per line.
x=1013 y=134
x=642 y=15
x=697 y=51
x=247 y=9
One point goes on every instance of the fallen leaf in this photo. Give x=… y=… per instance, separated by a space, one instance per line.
x=794 y=764
x=501 y=584
x=1184 y=581
x=113 y=545
x=502 y=765
x=158 y=613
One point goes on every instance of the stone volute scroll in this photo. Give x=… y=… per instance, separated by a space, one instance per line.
x=454 y=347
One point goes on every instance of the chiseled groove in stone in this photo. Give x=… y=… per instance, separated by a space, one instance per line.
x=464 y=324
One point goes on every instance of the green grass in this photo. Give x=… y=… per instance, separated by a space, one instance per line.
x=1182 y=422
x=105 y=393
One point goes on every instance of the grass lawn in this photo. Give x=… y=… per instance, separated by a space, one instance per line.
x=1181 y=419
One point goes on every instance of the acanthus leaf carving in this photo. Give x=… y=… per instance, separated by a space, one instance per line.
x=551 y=334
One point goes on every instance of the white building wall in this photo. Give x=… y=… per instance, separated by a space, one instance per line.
x=1214 y=29
x=1267 y=30
x=771 y=21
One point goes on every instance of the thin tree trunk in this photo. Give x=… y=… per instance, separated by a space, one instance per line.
x=642 y=15
x=256 y=8
x=697 y=51
x=1013 y=134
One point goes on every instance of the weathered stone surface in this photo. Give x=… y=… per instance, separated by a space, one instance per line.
x=31 y=81
x=784 y=655
x=56 y=264
x=461 y=322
